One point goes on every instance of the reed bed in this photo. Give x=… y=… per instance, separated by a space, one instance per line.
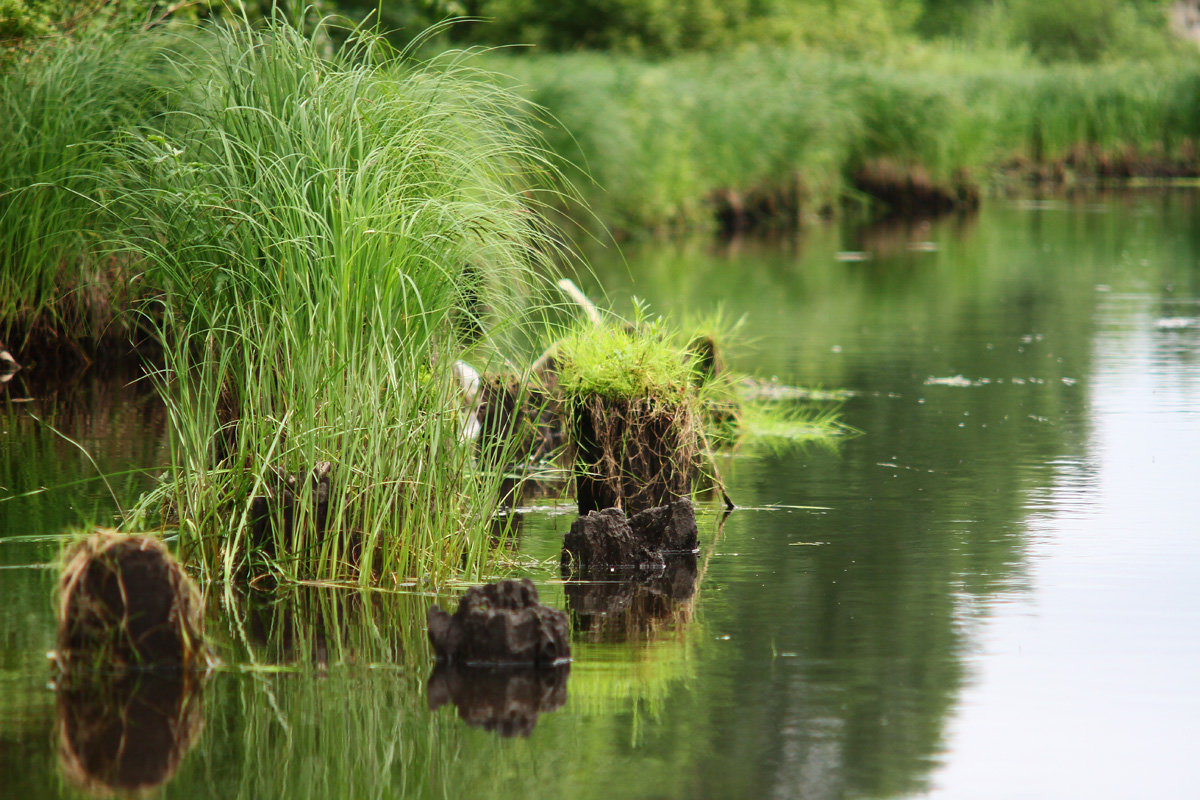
x=326 y=237
x=61 y=107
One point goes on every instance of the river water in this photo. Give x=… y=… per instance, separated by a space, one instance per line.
x=989 y=593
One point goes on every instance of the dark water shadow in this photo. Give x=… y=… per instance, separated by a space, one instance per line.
x=628 y=605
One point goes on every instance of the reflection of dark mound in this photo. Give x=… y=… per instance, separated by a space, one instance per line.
x=127 y=735
x=505 y=700
x=616 y=604
x=500 y=623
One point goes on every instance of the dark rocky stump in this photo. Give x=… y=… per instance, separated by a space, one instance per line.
x=604 y=540
x=607 y=539
x=668 y=529
x=505 y=700
x=500 y=623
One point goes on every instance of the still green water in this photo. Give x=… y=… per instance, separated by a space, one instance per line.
x=992 y=592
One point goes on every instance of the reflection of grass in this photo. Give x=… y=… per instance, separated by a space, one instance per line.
x=778 y=424
x=71 y=460
x=637 y=678
x=314 y=626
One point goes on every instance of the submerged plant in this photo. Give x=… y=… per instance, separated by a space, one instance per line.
x=328 y=236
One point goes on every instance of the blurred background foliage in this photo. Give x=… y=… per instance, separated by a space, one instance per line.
x=1062 y=30
x=671 y=113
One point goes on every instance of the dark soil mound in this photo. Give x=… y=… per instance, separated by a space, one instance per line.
x=668 y=529
x=505 y=700
x=500 y=623
x=129 y=735
x=606 y=539
x=125 y=602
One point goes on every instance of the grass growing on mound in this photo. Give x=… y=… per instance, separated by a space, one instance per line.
x=327 y=234
x=615 y=360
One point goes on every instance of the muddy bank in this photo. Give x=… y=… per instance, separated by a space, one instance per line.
x=54 y=354
x=504 y=700
x=910 y=190
x=1085 y=162
x=738 y=211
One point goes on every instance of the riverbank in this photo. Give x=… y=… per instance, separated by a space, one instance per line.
x=769 y=136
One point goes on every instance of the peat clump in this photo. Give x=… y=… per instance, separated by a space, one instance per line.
x=129 y=735
x=505 y=700
x=500 y=623
x=604 y=540
x=607 y=540
x=634 y=453
x=124 y=602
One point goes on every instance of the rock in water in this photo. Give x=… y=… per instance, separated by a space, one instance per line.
x=668 y=529
x=607 y=539
x=500 y=623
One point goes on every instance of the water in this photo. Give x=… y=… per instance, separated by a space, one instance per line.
x=994 y=596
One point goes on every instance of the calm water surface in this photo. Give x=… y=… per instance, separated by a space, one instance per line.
x=990 y=593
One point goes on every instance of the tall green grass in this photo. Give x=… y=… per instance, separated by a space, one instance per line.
x=327 y=236
x=61 y=108
x=666 y=143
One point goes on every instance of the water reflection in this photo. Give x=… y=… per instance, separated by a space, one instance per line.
x=504 y=700
x=821 y=653
x=128 y=734
x=323 y=626
x=74 y=448
x=631 y=604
